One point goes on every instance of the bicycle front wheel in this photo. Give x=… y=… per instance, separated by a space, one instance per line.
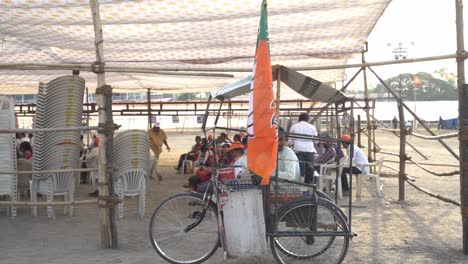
x=321 y=218
x=178 y=235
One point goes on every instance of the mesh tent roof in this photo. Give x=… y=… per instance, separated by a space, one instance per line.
x=187 y=34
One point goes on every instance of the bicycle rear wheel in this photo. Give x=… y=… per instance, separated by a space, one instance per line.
x=168 y=229
x=308 y=216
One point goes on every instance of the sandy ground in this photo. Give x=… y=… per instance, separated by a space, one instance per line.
x=419 y=230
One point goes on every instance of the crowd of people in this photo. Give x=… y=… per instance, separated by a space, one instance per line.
x=299 y=158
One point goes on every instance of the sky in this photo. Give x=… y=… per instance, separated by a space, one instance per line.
x=425 y=27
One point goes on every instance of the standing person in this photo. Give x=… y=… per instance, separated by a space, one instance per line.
x=157 y=139
x=304 y=148
x=94 y=140
x=357 y=157
x=409 y=127
x=395 y=122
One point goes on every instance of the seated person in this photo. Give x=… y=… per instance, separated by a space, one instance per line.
x=236 y=142
x=226 y=156
x=224 y=137
x=288 y=164
x=192 y=154
x=239 y=160
x=203 y=172
x=245 y=141
x=238 y=163
x=328 y=154
x=358 y=157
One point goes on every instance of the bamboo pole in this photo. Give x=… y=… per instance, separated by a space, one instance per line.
x=87 y=115
x=52 y=129
x=390 y=153
x=29 y=204
x=110 y=68
x=366 y=108
x=435 y=195
x=278 y=94
x=359 y=131
x=435 y=137
x=401 y=174
x=428 y=164
x=463 y=116
x=375 y=147
x=106 y=216
x=148 y=100
x=415 y=116
x=48 y=171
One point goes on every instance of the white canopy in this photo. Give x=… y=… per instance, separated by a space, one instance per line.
x=304 y=85
x=178 y=34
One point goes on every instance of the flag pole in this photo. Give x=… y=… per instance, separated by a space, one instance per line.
x=278 y=94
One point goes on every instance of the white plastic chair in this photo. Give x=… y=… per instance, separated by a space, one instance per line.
x=131 y=183
x=57 y=184
x=374 y=176
x=8 y=188
x=8 y=183
x=328 y=175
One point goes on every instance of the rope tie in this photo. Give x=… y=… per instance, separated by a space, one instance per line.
x=105 y=89
x=108 y=128
x=464 y=211
x=108 y=201
x=97 y=67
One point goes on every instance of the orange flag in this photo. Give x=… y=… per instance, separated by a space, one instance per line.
x=262 y=148
x=417 y=80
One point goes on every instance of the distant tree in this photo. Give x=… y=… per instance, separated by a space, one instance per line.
x=448 y=76
x=185 y=97
x=430 y=89
x=192 y=96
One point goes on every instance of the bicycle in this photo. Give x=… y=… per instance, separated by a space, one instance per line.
x=305 y=229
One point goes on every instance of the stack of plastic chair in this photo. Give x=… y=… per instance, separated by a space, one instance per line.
x=8 y=182
x=131 y=159
x=59 y=104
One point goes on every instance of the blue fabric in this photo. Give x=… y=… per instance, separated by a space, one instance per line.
x=450 y=124
x=304 y=157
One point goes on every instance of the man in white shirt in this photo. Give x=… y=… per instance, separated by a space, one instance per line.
x=304 y=148
x=288 y=164
x=358 y=158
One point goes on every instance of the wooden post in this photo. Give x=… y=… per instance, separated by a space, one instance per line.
x=334 y=115
x=463 y=116
x=366 y=100
x=359 y=131
x=87 y=115
x=107 y=226
x=374 y=146
x=401 y=175
x=148 y=100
